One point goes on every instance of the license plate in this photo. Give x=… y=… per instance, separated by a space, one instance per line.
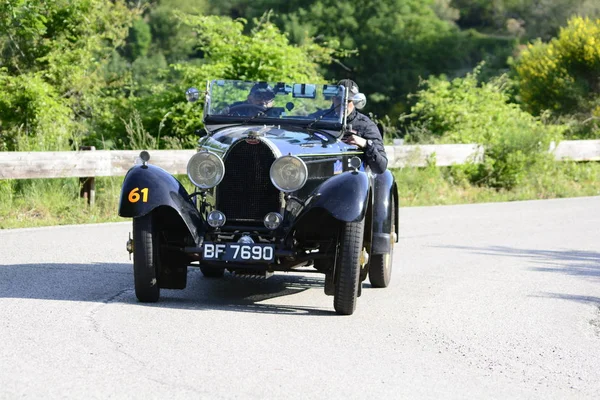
x=238 y=252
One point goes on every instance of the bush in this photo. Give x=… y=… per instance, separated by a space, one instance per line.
x=265 y=54
x=34 y=115
x=562 y=76
x=462 y=111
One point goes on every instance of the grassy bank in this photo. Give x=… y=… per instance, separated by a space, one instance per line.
x=40 y=202
x=30 y=203
x=445 y=186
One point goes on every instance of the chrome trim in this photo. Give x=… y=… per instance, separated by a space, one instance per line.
x=347 y=153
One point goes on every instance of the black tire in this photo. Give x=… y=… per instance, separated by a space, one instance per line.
x=348 y=267
x=146 y=259
x=212 y=272
x=380 y=268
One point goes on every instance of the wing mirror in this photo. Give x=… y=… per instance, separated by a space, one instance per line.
x=359 y=100
x=192 y=95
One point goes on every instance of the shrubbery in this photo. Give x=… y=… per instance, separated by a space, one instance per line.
x=52 y=56
x=562 y=77
x=87 y=72
x=229 y=53
x=464 y=111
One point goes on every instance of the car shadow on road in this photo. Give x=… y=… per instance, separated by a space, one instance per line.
x=232 y=293
x=571 y=297
x=571 y=262
x=113 y=283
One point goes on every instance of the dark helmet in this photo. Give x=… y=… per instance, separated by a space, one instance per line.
x=262 y=91
x=350 y=86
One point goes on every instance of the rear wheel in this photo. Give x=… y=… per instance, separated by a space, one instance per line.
x=348 y=264
x=380 y=268
x=146 y=259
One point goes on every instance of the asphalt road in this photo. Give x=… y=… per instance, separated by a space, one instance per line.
x=486 y=301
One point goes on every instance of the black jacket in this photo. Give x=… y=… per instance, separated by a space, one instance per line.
x=365 y=128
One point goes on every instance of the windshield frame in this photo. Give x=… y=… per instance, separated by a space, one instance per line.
x=316 y=123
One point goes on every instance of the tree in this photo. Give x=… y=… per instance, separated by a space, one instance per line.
x=530 y=18
x=171 y=37
x=386 y=46
x=228 y=53
x=51 y=75
x=139 y=40
x=562 y=76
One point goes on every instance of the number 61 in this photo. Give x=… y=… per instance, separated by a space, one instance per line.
x=134 y=195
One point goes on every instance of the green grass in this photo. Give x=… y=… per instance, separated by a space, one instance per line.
x=42 y=202
x=444 y=186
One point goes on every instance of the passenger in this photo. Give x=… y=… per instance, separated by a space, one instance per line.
x=364 y=133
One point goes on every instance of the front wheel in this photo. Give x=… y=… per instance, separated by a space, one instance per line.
x=146 y=259
x=348 y=264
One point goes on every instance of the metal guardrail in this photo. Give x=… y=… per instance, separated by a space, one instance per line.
x=65 y=164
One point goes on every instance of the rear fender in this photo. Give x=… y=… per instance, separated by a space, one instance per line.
x=147 y=187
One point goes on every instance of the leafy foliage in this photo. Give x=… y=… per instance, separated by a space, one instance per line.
x=171 y=37
x=228 y=53
x=526 y=18
x=265 y=54
x=140 y=39
x=563 y=75
x=462 y=111
x=561 y=79
x=385 y=46
x=51 y=71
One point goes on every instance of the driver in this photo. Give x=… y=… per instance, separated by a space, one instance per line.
x=260 y=98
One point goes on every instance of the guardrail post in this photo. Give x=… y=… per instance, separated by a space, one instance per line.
x=87 y=186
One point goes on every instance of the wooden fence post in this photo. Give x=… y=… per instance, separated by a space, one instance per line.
x=87 y=186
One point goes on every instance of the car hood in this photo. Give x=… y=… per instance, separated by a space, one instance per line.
x=289 y=140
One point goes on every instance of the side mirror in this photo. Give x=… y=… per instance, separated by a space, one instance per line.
x=192 y=95
x=359 y=100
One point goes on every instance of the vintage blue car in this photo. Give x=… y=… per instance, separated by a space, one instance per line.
x=276 y=190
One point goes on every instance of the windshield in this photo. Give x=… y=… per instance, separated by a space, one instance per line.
x=240 y=101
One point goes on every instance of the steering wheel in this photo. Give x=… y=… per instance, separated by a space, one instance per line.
x=246 y=110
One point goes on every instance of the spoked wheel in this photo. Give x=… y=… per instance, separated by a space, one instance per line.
x=146 y=259
x=347 y=267
x=212 y=272
x=380 y=268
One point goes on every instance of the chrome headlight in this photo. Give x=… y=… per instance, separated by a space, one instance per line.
x=205 y=169
x=288 y=173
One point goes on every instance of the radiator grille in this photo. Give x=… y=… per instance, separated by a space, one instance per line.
x=246 y=193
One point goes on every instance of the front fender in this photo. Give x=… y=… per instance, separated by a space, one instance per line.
x=343 y=196
x=147 y=187
x=386 y=194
